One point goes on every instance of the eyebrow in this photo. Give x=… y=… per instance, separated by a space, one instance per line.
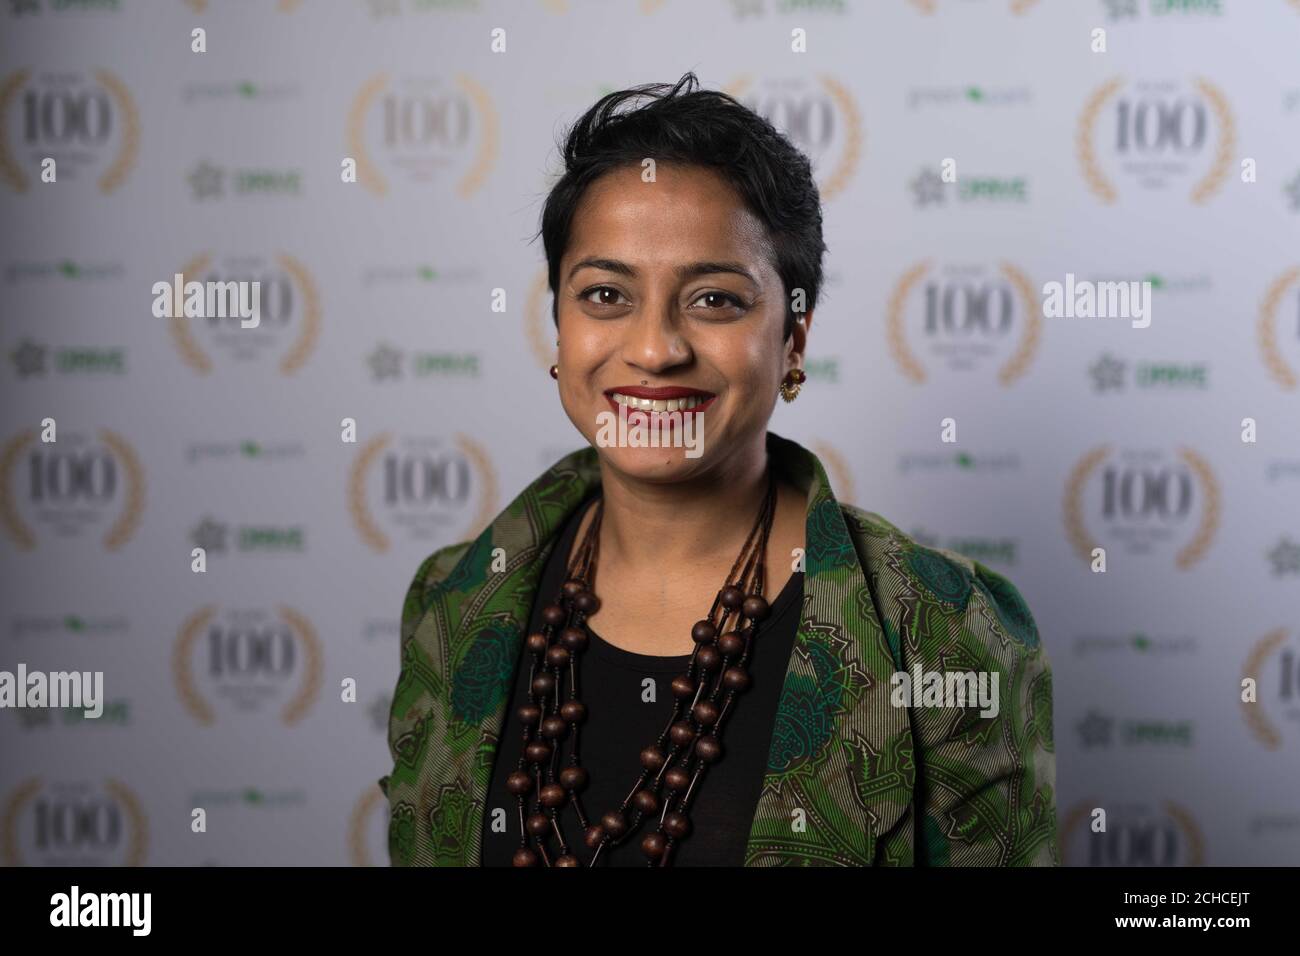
x=683 y=272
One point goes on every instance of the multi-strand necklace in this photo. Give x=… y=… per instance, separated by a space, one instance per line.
x=548 y=781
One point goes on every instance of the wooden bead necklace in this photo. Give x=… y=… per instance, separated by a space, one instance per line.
x=674 y=764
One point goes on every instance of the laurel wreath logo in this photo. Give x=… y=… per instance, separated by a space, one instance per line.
x=182 y=674
x=1085 y=148
x=1020 y=359
x=126 y=522
x=896 y=331
x=1195 y=549
x=138 y=842
x=1266 y=329
x=124 y=527
x=1077 y=527
x=365 y=522
x=13 y=523
x=130 y=148
x=18 y=799
x=1210 y=183
x=1179 y=814
x=192 y=353
x=845 y=104
x=369 y=802
x=368 y=173
x=10 y=171
x=1256 y=719
x=199 y=707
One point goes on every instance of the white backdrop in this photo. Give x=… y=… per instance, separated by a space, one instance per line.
x=1172 y=157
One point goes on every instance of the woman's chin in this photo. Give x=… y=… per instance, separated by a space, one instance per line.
x=652 y=464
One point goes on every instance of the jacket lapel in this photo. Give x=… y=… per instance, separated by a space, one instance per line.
x=839 y=766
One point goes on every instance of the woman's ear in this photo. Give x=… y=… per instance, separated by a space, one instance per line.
x=799 y=336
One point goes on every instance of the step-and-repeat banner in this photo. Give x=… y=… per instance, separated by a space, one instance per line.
x=1071 y=228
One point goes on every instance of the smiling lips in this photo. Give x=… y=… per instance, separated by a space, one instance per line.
x=639 y=398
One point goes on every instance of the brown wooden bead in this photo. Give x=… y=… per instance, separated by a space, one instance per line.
x=651 y=758
x=574 y=638
x=708 y=658
x=519 y=783
x=525 y=856
x=676 y=825
x=568 y=860
x=705 y=713
x=555 y=728
x=557 y=656
x=703 y=632
x=731 y=597
x=653 y=845
x=681 y=733
x=736 y=678
x=538 y=824
x=683 y=687
x=709 y=748
x=537 y=751
x=537 y=643
x=586 y=602
x=755 y=608
x=573 y=710
x=594 y=836
x=677 y=778
x=731 y=644
x=529 y=714
x=571 y=588
x=645 y=801
x=543 y=684
x=614 y=824
x=553 y=795
x=553 y=615
x=573 y=778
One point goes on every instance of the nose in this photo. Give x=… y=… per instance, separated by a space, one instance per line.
x=655 y=341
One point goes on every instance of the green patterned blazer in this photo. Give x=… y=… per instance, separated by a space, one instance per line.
x=851 y=779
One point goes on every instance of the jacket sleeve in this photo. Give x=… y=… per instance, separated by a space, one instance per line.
x=419 y=692
x=985 y=771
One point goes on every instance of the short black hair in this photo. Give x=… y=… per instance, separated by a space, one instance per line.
x=684 y=124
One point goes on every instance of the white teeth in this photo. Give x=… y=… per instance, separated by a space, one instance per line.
x=662 y=405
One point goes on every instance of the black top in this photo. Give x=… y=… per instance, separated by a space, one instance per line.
x=623 y=717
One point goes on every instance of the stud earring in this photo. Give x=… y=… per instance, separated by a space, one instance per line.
x=793 y=381
x=555 y=371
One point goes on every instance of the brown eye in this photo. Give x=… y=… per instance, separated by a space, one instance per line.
x=603 y=295
x=718 y=300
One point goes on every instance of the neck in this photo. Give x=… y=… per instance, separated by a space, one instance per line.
x=701 y=521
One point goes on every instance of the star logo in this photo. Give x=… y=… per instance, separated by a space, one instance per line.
x=385 y=362
x=205 y=180
x=29 y=359
x=1285 y=558
x=1095 y=730
x=927 y=188
x=210 y=535
x=1292 y=189
x=1107 y=373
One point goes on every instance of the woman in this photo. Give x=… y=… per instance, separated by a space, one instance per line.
x=758 y=674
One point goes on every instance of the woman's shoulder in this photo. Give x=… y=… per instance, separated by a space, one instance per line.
x=903 y=572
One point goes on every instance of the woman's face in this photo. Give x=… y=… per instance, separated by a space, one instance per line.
x=668 y=292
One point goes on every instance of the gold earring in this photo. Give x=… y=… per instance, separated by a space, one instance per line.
x=789 y=391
